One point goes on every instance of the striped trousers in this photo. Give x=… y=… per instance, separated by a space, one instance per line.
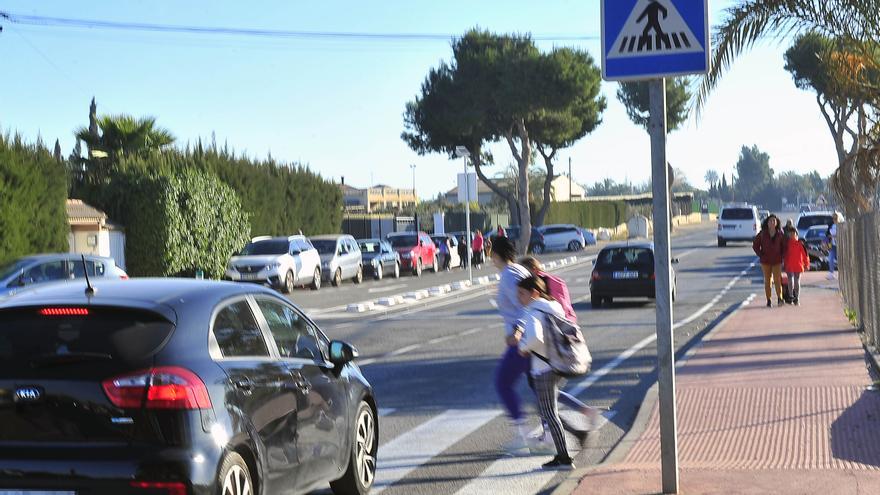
x=547 y=389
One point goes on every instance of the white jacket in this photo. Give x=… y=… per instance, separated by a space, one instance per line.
x=532 y=340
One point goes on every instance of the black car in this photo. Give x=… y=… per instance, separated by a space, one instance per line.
x=177 y=387
x=624 y=270
x=380 y=258
x=816 y=242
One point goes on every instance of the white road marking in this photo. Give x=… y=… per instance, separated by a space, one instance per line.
x=408 y=452
x=403 y=350
x=386 y=411
x=386 y=289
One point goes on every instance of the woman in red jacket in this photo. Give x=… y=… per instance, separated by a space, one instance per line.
x=769 y=245
x=797 y=261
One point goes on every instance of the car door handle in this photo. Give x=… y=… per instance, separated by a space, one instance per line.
x=244 y=384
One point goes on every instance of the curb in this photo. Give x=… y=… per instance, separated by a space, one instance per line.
x=640 y=423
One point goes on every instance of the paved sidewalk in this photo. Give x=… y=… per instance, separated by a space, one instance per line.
x=774 y=402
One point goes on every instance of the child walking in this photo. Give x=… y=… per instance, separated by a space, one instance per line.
x=796 y=261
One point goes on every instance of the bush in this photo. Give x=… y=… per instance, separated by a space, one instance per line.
x=33 y=194
x=177 y=222
x=588 y=214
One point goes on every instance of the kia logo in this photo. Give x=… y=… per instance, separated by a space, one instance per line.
x=27 y=394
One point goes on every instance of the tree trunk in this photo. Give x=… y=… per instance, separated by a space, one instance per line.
x=548 y=182
x=523 y=157
x=512 y=205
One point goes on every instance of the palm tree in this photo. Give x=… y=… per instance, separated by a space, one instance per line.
x=711 y=177
x=123 y=135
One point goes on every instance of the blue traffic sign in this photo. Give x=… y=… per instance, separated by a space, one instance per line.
x=645 y=39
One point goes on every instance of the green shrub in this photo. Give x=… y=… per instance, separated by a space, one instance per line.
x=33 y=194
x=588 y=214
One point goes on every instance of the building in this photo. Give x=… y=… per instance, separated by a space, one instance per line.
x=379 y=198
x=559 y=191
x=91 y=233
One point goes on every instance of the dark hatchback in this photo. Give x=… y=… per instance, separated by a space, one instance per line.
x=177 y=387
x=624 y=270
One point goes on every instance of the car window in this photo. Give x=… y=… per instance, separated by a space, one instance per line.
x=811 y=220
x=294 y=336
x=265 y=247
x=46 y=272
x=737 y=214
x=237 y=332
x=352 y=246
x=403 y=241
x=94 y=268
x=370 y=247
x=325 y=246
x=625 y=257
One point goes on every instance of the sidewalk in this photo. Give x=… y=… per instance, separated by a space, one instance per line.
x=774 y=402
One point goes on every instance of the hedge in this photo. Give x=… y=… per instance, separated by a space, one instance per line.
x=177 y=222
x=33 y=194
x=588 y=214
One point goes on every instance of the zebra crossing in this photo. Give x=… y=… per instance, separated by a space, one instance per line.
x=656 y=42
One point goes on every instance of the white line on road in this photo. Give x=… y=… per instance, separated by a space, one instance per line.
x=386 y=289
x=403 y=350
x=386 y=411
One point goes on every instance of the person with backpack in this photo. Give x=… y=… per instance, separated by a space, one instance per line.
x=536 y=342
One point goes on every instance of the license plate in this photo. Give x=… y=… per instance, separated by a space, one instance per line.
x=626 y=275
x=244 y=276
x=34 y=492
x=728 y=227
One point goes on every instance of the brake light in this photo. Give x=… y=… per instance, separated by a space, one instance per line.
x=168 y=387
x=653 y=276
x=596 y=275
x=123 y=277
x=64 y=312
x=169 y=487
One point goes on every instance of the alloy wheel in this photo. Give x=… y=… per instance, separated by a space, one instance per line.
x=365 y=447
x=236 y=482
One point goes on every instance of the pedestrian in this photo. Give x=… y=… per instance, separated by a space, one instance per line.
x=831 y=235
x=789 y=225
x=797 y=261
x=512 y=366
x=533 y=343
x=463 y=250
x=501 y=232
x=444 y=252
x=769 y=245
x=479 y=243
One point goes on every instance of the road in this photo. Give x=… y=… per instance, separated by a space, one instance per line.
x=441 y=426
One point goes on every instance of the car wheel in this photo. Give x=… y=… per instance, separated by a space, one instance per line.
x=316 y=281
x=361 y=471
x=595 y=301
x=337 y=278
x=289 y=282
x=721 y=242
x=436 y=264
x=396 y=270
x=359 y=276
x=235 y=478
x=379 y=272
x=538 y=249
x=418 y=270
x=673 y=294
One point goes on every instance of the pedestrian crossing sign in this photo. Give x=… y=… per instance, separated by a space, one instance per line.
x=646 y=39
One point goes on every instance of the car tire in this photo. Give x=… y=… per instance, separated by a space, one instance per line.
x=316 y=281
x=436 y=265
x=234 y=477
x=673 y=294
x=337 y=278
x=595 y=302
x=396 y=270
x=721 y=242
x=574 y=246
x=359 y=276
x=289 y=282
x=417 y=271
x=361 y=471
x=379 y=272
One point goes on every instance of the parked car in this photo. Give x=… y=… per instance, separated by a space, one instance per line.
x=589 y=237
x=625 y=270
x=280 y=262
x=454 y=257
x=812 y=218
x=178 y=386
x=562 y=237
x=417 y=251
x=805 y=207
x=738 y=223
x=340 y=258
x=44 y=268
x=817 y=246
x=763 y=215
x=536 y=241
x=379 y=258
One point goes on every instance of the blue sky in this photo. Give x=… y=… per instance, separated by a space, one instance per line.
x=337 y=105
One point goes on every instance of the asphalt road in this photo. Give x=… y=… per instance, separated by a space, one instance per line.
x=441 y=425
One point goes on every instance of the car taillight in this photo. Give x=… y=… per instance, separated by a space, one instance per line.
x=168 y=387
x=596 y=276
x=165 y=487
x=123 y=277
x=653 y=277
x=64 y=312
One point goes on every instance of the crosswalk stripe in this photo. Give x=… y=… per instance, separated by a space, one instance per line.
x=408 y=452
x=511 y=475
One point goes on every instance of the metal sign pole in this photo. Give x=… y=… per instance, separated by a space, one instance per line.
x=665 y=348
x=467 y=221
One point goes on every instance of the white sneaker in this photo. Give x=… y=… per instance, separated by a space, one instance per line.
x=830 y=276
x=541 y=445
x=516 y=446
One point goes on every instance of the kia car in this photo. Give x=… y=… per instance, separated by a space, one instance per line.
x=177 y=387
x=625 y=270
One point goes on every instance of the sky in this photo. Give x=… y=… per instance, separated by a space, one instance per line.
x=337 y=105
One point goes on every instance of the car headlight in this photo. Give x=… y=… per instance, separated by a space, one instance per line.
x=375 y=262
x=273 y=266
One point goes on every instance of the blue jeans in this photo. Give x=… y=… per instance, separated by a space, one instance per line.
x=510 y=369
x=832 y=259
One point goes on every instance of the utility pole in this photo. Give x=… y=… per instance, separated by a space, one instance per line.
x=569 y=179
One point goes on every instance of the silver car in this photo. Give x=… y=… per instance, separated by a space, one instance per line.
x=44 y=268
x=340 y=258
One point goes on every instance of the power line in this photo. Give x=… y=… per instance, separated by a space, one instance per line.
x=43 y=21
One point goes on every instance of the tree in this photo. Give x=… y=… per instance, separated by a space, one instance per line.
x=711 y=177
x=753 y=172
x=495 y=89
x=634 y=96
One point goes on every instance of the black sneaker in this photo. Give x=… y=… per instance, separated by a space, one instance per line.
x=780 y=302
x=582 y=436
x=797 y=302
x=559 y=464
x=769 y=304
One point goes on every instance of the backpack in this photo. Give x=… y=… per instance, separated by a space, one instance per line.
x=567 y=350
x=559 y=291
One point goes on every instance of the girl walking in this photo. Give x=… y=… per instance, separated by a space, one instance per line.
x=769 y=245
x=797 y=261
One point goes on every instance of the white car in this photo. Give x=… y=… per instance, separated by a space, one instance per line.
x=562 y=236
x=738 y=223
x=281 y=262
x=809 y=219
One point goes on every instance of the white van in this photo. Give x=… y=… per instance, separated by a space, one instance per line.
x=738 y=223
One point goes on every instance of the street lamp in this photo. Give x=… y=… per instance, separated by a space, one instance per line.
x=412 y=166
x=462 y=152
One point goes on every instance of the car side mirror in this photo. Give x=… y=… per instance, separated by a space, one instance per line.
x=342 y=353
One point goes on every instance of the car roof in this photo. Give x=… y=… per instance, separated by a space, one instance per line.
x=330 y=237
x=67 y=256
x=633 y=243
x=817 y=213
x=161 y=295
x=399 y=234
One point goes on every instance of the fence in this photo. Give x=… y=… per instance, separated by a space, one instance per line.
x=858 y=247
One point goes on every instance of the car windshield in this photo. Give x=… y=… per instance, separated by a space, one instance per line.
x=737 y=214
x=403 y=241
x=625 y=257
x=8 y=269
x=325 y=246
x=267 y=247
x=816 y=232
x=811 y=220
x=370 y=247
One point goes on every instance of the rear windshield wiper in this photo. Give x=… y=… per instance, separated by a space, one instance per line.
x=45 y=360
